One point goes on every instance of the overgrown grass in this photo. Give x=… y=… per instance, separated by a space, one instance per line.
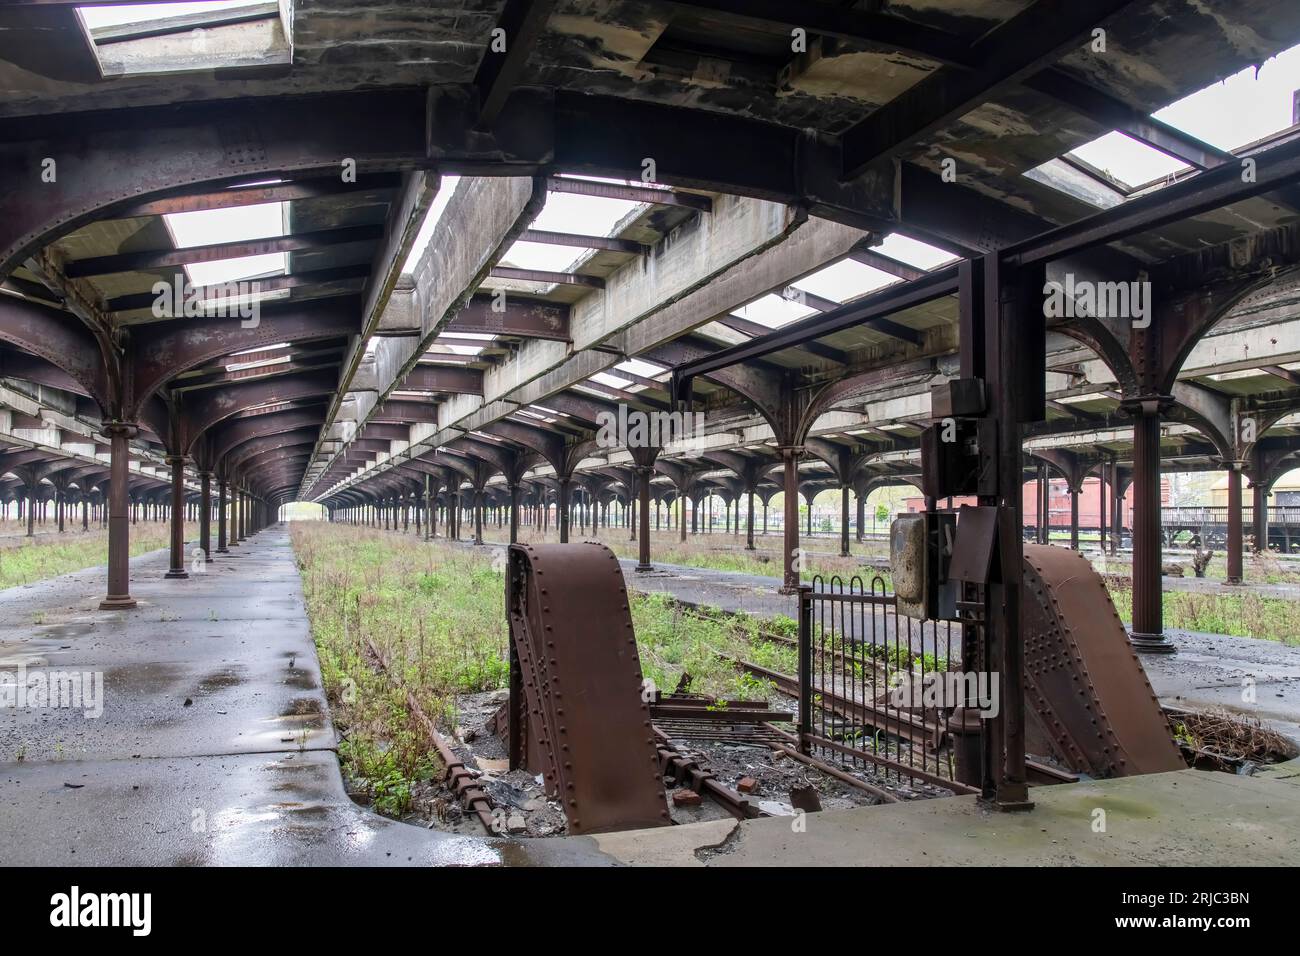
x=435 y=612
x=1240 y=615
x=725 y=552
x=25 y=560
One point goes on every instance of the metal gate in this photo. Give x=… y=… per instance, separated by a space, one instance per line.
x=873 y=685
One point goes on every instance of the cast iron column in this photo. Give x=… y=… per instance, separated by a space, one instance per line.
x=119 y=519
x=749 y=520
x=1148 y=634
x=1235 y=530
x=221 y=517
x=844 y=521
x=790 y=459
x=1259 y=513
x=1101 y=506
x=205 y=514
x=177 y=569
x=514 y=513
x=643 y=547
x=1074 y=519
x=563 y=511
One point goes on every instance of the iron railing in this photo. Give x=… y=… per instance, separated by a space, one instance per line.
x=871 y=685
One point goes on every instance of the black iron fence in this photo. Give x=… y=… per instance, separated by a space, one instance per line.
x=877 y=688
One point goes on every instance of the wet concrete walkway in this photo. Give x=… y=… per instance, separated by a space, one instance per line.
x=215 y=744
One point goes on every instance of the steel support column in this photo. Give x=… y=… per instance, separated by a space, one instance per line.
x=792 y=563
x=562 y=510
x=644 y=473
x=1236 y=533
x=1148 y=613
x=844 y=521
x=119 y=519
x=221 y=516
x=205 y=514
x=1074 y=518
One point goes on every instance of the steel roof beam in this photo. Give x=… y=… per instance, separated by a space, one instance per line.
x=162 y=258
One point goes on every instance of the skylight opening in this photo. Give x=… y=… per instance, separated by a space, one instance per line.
x=611 y=381
x=228 y=302
x=213 y=226
x=913 y=252
x=165 y=37
x=446 y=186
x=845 y=280
x=641 y=368
x=449 y=349
x=264 y=363
x=1244 y=108
x=583 y=215
x=773 y=311
x=261 y=348
x=543 y=257
x=1128 y=162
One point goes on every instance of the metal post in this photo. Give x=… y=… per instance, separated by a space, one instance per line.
x=564 y=510
x=1148 y=612
x=1074 y=518
x=644 y=473
x=1259 y=512
x=790 y=458
x=805 y=593
x=221 y=516
x=514 y=513
x=749 y=520
x=205 y=514
x=844 y=521
x=1235 y=529
x=119 y=520
x=177 y=555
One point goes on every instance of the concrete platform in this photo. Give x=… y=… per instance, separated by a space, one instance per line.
x=1188 y=818
x=246 y=773
x=215 y=744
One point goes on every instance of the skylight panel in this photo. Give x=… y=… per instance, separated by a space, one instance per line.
x=542 y=256
x=472 y=336
x=446 y=186
x=449 y=349
x=642 y=368
x=1131 y=163
x=845 y=280
x=773 y=311
x=142 y=13
x=212 y=226
x=157 y=38
x=913 y=252
x=582 y=215
x=1085 y=187
x=1243 y=108
x=612 y=381
x=264 y=363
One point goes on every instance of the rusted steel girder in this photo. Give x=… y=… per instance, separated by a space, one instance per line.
x=577 y=712
x=160 y=351
x=206 y=407
x=1092 y=705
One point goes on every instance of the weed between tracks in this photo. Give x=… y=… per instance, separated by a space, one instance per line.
x=435 y=611
x=721 y=551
